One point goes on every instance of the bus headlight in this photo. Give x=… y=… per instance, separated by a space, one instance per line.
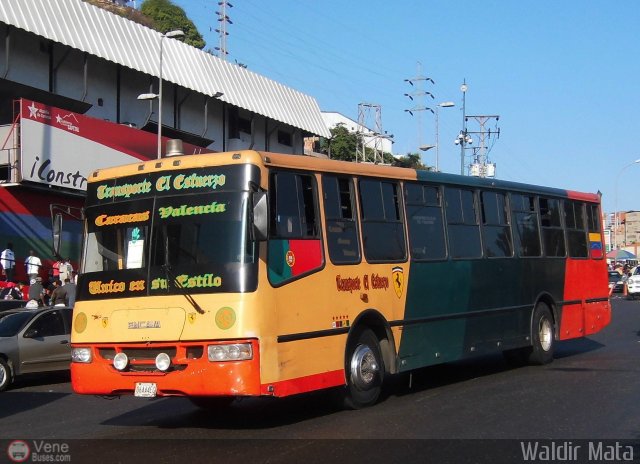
x=232 y=352
x=81 y=355
x=163 y=362
x=120 y=361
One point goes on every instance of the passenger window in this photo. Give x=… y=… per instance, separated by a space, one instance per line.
x=382 y=228
x=574 y=217
x=49 y=325
x=341 y=222
x=552 y=233
x=463 y=230
x=426 y=225
x=527 y=231
x=294 y=248
x=496 y=229
x=293 y=210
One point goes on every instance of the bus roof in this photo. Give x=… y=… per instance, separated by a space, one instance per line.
x=311 y=163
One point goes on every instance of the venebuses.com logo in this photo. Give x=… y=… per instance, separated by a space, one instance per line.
x=38 y=451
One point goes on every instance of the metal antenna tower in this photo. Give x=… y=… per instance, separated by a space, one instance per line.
x=367 y=138
x=481 y=166
x=418 y=95
x=223 y=19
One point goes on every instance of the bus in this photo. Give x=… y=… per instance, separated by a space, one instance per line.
x=247 y=274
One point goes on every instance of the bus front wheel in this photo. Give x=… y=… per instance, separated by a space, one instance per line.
x=364 y=370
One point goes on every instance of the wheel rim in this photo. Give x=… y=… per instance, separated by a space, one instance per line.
x=364 y=367
x=3 y=375
x=545 y=334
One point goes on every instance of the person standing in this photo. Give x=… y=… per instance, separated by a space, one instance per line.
x=36 y=291
x=32 y=265
x=65 y=270
x=70 y=288
x=59 y=294
x=8 y=262
x=55 y=269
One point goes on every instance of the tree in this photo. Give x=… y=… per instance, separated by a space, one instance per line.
x=411 y=160
x=168 y=17
x=343 y=145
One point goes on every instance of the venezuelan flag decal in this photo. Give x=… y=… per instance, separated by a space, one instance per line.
x=291 y=258
x=595 y=245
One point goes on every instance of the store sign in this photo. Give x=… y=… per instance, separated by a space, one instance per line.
x=61 y=148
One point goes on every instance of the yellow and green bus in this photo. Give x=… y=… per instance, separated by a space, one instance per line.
x=238 y=274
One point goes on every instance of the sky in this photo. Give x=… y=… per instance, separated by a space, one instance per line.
x=561 y=75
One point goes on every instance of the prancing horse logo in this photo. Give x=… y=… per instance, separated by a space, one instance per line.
x=398 y=280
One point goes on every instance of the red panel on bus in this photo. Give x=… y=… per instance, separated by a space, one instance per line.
x=306 y=255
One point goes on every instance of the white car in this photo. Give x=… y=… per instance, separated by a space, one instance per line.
x=633 y=283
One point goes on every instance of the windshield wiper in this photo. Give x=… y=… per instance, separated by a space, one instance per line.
x=174 y=279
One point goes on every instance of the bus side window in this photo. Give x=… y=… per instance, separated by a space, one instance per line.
x=294 y=247
x=426 y=226
x=382 y=226
x=463 y=229
x=342 y=225
x=496 y=229
x=574 y=219
x=525 y=220
x=552 y=233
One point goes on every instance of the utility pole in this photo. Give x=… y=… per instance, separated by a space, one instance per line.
x=366 y=137
x=418 y=97
x=223 y=19
x=481 y=166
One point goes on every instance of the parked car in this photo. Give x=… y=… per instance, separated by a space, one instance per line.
x=34 y=340
x=616 y=281
x=633 y=283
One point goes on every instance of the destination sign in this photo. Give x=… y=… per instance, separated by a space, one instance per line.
x=196 y=180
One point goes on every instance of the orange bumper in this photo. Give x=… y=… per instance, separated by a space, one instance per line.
x=190 y=375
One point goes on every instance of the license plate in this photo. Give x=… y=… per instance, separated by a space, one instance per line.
x=146 y=390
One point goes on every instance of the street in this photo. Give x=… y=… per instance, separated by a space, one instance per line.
x=589 y=392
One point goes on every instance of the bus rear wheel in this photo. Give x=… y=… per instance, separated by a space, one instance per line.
x=364 y=370
x=542 y=336
x=542 y=341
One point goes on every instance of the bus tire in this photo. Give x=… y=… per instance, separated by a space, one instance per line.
x=212 y=402
x=542 y=336
x=6 y=375
x=364 y=370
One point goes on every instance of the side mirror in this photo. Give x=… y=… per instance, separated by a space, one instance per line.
x=57 y=233
x=260 y=216
x=31 y=333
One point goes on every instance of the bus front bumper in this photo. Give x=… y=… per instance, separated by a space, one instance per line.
x=191 y=373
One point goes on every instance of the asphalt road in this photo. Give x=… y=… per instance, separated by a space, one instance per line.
x=590 y=392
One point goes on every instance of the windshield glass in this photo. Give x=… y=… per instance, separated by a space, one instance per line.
x=153 y=246
x=12 y=323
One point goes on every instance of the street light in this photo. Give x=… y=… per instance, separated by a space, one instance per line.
x=426 y=147
x=615 y=232
x=152 y=96
x=463 y=137
x=438 y=106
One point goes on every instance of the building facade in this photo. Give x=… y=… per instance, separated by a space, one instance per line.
x=70 y=77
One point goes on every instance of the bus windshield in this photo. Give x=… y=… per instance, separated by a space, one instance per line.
x=196 y=243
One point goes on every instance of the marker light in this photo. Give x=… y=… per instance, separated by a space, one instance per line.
x=163 y=362
x=233 y=352
x=120 y=361
x=81 y=355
